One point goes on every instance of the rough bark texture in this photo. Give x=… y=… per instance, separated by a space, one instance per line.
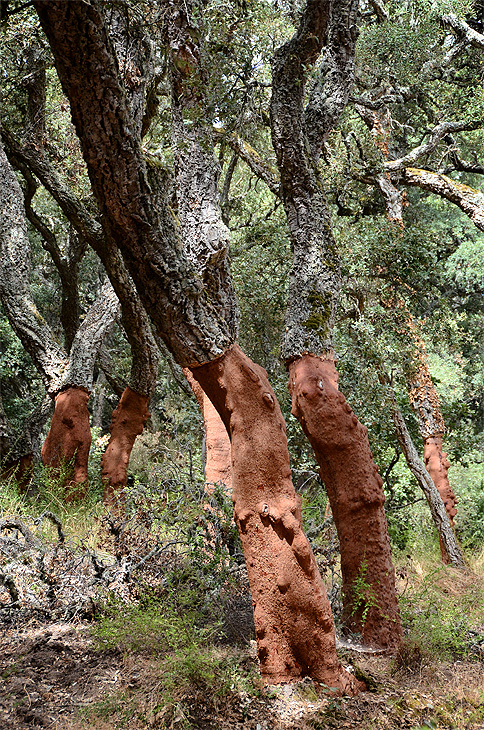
x=70 y=434
x=295 y=629
x=127 y=423
x=20 y=470
x=355 y=492
x=28 y=324
x=293 y=621
x=425 y=402
x=435 y=460
x=314 y=286
x=89 y=337
x=217 y=465
x=314 y=279
x=145 y=233
x=17 y=453
x=69 y=438
x=470 y=201
x=434 y=500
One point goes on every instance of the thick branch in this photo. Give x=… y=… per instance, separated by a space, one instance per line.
x=470 y=201
x=464 y=31
x=145 y=234
x=437 y=134
x=33 y=331
x=88 y=340
x=260 y=167
x=330 y=93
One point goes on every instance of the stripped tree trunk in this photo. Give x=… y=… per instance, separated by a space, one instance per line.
x=127 y=423
x=293 y=620
x=69 y=437
x=217 y=466
x=340 y=442
x=425 y=402
x=69 y=440
x=356 y=496
x=195 y=314
x=426 y=405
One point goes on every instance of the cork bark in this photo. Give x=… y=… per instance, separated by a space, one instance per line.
x=449 y=547
x=354 y=487
x=340 y=443
x=194 y=313
x=294 y=625
x=69 y=439
x=426 y=404
x=217 y=464
x=127 y=423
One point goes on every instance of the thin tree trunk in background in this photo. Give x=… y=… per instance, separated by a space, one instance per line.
x=425 y=402
x=424 y=480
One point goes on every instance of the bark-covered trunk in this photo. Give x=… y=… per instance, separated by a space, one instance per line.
x=426 y=405
x=20 y=451
x=291 y=609
x=355 y=493
x=293 y=620
x=23 y=315
x=340 y=442
x=424 y=480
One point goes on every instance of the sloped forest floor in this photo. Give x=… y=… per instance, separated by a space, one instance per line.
x=140 y=626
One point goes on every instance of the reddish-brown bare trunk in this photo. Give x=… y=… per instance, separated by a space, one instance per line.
x=218 y=457
x=293 y=620
x=435 y=460
x=127 y=423
x=69 y=438
x=354 y=487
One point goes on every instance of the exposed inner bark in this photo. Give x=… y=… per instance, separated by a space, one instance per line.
x=449 y=547
x=435 y=460
x=19 y=469
x=69 y=438
x=354 y=487
x=218 y=457
x=127 y=423
x=294 y=625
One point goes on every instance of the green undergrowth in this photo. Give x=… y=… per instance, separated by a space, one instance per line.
x=181 y=634
x=442 y=612
x=46 y=493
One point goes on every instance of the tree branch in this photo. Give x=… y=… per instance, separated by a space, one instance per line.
x=464 y=31
x=470 y=201
x=436 y=135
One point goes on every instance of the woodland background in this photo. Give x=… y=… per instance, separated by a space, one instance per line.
x=413 y=284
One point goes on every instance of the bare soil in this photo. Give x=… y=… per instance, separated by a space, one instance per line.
x=52 y=676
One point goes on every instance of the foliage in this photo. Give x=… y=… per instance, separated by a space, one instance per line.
x=442 y=614
x=363 y=595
